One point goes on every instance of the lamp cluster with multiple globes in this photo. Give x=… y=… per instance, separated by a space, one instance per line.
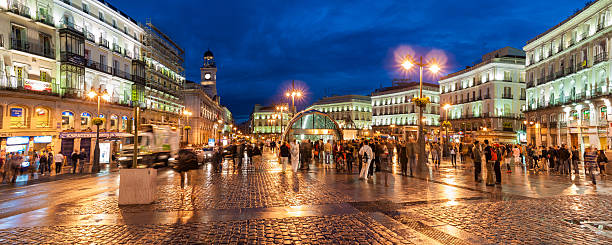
x=104 y=95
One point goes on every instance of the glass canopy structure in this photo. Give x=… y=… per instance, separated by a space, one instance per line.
x=313 y=125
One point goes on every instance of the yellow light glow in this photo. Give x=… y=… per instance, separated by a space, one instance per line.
x=407 y=65
x=106 y=97
x=92 y=94
x=435 y=68
x=446 y=106
x=287 y=94
x=298 y=94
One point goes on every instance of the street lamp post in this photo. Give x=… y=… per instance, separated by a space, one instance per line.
x=433 y=68
x=99 y=94
x=446 y=124
x=187 y=114
x=293 y=93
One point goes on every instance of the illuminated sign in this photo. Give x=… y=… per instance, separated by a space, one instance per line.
x=37 y=85
x=42 y=139
x=18 y=140
x=16 y=112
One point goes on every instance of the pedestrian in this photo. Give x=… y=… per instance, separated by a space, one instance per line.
x=43 y=163
x=508 y=156
x=453 y=155
x=82 y=157
x=590 y=162
x=411 y=154
x=257 y=155
x=59 y=162
x=366 y=155
x=575 y=160
x=602 y=160
x=348 y=154
x=249 y=152
x=500 y=157
x=490 y=158
x=242 y=151
x=3 y=164
x=74 y=160
x=284 y=155
x=50 y=165
x=16 y=165
x=477 y=159
x=294 y=149
x=564 y=158
x=403 y=157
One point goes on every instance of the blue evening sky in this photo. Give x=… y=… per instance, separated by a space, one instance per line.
x=336 y=47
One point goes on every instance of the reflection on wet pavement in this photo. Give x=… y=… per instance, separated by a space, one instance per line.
x=260 y=203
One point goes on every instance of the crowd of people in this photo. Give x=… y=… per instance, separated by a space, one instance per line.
x=41 y=163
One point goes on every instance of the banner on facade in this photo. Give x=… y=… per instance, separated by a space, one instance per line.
x=16 y=112
x=70 y=135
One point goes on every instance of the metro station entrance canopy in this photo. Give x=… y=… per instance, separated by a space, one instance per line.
x=312 y=125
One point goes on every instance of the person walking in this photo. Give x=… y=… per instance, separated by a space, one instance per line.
x=59 y=162
x=82 y=157
x=74 y=160
x=3 y=164
x=16 y=163
x=367 y=156
x=43 y=163
x=411 y=155
x=590 y=161
x=402 y=157
x=564 y=158
x=327 y=148
x=284 y=155
x=490 y=158
x=453 y=155
x=602 y=160
x=500 y=152
x=477 y=159
x=575 y=160
x=294 y=150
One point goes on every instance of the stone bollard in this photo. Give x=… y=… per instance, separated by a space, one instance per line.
x=137 y=185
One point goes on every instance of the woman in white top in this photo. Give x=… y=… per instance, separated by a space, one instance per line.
x=294 y=150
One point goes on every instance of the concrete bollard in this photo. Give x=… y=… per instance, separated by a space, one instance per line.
x=137 y=185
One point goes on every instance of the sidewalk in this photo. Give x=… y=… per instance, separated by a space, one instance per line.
x=26 y=179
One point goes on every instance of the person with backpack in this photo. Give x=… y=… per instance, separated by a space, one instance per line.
x=366 y=157
x=490 y=158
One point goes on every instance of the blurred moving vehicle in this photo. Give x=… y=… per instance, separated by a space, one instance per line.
x=158 y=146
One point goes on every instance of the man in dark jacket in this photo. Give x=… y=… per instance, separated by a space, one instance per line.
x=477 y=159
x=82 y=157
x=74 y=160
x=575 y=159
x=403 y=157
x=564 y=156
x=284 y=155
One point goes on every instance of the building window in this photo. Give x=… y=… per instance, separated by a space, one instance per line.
x=586 y=115
x=41 y=118
x=85 y=8
x=85 y=120
x=603 y=113
x=507 y=76
x=114 y=122
x=101 y=16
x=17 y=117
x=67 y=120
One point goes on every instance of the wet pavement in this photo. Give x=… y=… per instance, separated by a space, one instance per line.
x=260 y=204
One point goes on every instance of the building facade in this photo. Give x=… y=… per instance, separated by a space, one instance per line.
x=349 y=111
x=268 y=121
x=206 y=120
x=568 y=80
x=52 y=53
x=486 y=100
x=393 y=112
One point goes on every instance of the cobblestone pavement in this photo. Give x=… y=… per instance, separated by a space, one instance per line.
x=260 y=204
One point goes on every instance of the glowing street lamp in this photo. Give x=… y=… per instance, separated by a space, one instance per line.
x=293 y=93
x=434 y=68
x=98 y=94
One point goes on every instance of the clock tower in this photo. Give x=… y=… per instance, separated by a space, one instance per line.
x=209 y=74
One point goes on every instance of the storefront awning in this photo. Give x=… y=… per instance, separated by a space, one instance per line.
x=70 y=135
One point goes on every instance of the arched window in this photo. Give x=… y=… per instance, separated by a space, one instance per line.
x=86 y=120
x=18 y=117
x=67 y=120
x=41 y=117
x=586 y=114
x=114 y=121
x=124 y=122
x=603 y=113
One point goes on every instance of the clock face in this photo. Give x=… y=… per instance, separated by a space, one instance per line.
x=207 y=76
